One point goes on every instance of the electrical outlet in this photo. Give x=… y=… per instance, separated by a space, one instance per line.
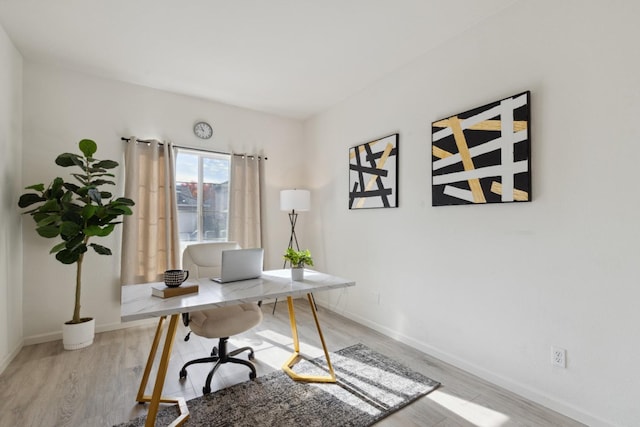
x=559 y=357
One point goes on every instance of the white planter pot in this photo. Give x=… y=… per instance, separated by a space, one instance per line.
x=78 y=335
x=297 y=274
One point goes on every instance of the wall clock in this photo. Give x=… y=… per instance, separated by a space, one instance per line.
x=203 y=130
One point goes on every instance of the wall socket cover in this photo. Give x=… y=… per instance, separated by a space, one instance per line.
x=559 y=357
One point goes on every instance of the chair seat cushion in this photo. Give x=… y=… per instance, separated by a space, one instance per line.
x=225 y=321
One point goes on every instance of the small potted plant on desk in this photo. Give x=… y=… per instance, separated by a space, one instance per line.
x=76 y=213
x=298 y=260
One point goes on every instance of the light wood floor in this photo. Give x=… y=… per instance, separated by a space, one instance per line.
x=96 y=386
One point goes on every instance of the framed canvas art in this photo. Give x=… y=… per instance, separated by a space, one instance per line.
x=373 y=174
x=483 y=155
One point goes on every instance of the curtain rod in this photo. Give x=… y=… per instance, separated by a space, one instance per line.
x=197 y=149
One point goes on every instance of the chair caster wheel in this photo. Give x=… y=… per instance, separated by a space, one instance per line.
x=183 y=374
x=251 y=356
x=252 y=376
x=214 y=352
x=206 y=390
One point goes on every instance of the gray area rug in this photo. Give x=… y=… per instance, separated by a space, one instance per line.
x=370 y=386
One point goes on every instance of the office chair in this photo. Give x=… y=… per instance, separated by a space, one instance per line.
x=203 y=260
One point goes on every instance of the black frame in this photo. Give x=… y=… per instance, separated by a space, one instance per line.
x=473 y=154
x=359 y=172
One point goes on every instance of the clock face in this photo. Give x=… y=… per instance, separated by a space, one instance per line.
x=203 y=130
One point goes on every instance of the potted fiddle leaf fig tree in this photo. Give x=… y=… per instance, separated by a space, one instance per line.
x=75 y=213
x=298 y=260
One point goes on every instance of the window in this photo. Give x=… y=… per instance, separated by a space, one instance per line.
x=202 y=187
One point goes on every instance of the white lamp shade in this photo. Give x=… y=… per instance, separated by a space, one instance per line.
x=295 y=200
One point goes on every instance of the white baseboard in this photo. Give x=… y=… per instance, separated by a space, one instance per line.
x=40 y=338
x=9 y=357
x=54 y=336
x=532 y=394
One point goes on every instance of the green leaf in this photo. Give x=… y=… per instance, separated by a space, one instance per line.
x=69 y=159
x=67 y=197
x=48 y=231
x=101 y=212
x=105 y=195
x=69 y=229
x=71 y=187
x=96 y=230
x=82 y=191
x=68 y=257
x=122 y=210
x=37 y=187
x=125 y=201
x=106 y=164
x=57 y=248
x=29 y=199
x=88 y=147
x=48 y=219
x=57 y=183
x=88 y=211
x=50 y=206
x=76 y=243
x=73 y=215
x=92 y=230
x=95 y=175
x=98 y=182
x=39 y=216
x=101 y=249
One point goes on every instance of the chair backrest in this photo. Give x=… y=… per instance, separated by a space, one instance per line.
x=205 y=259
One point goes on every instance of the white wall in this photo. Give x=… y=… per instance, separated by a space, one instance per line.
x=10 y=186
x=62 y=107
x=492 y=288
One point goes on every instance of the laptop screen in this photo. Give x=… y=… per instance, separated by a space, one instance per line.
x=240 y=264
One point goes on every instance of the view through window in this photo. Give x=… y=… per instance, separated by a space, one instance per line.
x=202 y=187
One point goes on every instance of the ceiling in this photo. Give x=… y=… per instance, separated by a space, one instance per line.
x=293 y=58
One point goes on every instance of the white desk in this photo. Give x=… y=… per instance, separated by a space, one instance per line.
x=137 y=303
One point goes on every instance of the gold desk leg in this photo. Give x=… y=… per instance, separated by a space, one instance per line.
x=156 y=398
x=295 y=357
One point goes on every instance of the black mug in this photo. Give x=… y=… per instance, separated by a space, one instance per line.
x=175 y=278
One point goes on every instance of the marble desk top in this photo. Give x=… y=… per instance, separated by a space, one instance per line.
x=138 y=303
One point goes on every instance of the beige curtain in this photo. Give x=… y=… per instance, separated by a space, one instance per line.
x=244 y=201
x=150 y=241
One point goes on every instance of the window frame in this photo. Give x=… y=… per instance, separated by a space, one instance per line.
x=200 y=196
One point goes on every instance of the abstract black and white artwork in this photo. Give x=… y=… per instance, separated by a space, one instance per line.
x=483 y=155
x=373 y=174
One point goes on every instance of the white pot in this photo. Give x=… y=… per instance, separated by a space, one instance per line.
x=297 y=274
x=78 y=335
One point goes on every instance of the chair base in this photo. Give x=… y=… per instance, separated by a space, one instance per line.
x=220 y=357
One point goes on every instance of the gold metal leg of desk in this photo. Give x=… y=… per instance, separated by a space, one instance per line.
x=295 y=357
x=156 y=397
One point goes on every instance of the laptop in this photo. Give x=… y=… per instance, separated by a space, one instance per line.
x=240 y=264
